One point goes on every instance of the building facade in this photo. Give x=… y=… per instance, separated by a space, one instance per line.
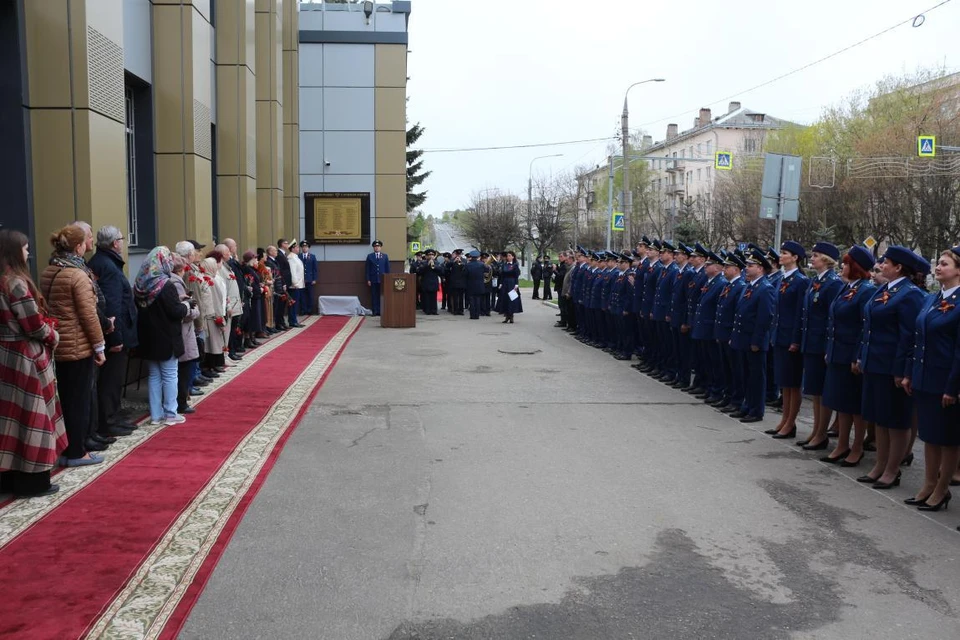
x=171 y=119
x=352 y=137
x=682 y=173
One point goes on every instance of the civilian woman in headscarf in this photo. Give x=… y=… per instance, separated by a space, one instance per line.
x=32 y=433
x=68 y=287
x=162 y=310
x=216 y=320
x=191 y=349
x=251 y=280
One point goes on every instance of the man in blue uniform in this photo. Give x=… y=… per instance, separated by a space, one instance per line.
x=310 y=273
x=679 y=326
x=474 y=272
x=377 y=266
x=666 y=361
x=773 y=398
x=698 y=258
x=709 y=362
x=732 y=394
x=751 y=335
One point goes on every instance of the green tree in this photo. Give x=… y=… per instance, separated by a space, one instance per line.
x=415 y=173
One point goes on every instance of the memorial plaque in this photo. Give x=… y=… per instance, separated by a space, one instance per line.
x=337 y=217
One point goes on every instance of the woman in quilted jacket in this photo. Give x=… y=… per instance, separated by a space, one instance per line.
x=32 y=434
x=67 y=285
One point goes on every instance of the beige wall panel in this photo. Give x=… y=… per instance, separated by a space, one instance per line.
x=291 y=159
x=391 y=152
x=270 y=5
x=276 y=133
x=231 y=136
x=291 y=216
x=248 y=214
x=250 y=86
x=52 y=157
x=230 y=32
x=78 y=54
x=270 y=223
x=168 y=81
x=393 y=233
x=200 y=220
x=390 y=109
x=391 y=65
x=48 y=54
x=291 y=81
x=268 y=85
x=170 y=199
x=291 y=26
x=228 y=199
x=391 y=196
x=265 y=151
x=101 y=170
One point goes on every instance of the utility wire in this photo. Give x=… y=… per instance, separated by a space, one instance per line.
x=916 y=20
x=518 y=146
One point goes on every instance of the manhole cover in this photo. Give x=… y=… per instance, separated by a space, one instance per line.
x=519 y=352
x=426 y=353
x=481 y=369
x=493 y=333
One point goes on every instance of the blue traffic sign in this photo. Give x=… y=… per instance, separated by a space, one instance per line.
x=617 y=223
x=723 y=160
x=742 y=246
x=926 y=146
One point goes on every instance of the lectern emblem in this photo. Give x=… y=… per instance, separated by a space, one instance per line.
x=399 y=284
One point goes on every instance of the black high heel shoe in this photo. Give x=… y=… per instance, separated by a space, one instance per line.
x=943 y=504
x=835 y=459
x=504 y=321
x=888 y=485
x=916 y=502
x=907 y=460
x=820 y=446
x=866 y=479
x=844 y=463
x=785 y=436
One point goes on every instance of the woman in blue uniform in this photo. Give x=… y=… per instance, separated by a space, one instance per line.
x=933 y=379
x=751 y=336
x=509 y=281
x=787 y=335
x=821 y=293
x=889 y=319
x=842 y=389
x=732 y=373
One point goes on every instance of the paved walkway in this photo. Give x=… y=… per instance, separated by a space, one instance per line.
x=443 y=487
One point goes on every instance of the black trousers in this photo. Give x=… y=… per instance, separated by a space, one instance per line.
x=279 y=312
x=485 y=302
x=110 y=378
x=236 y=333
x=184 y=376
x=547 y=291
x=457 y=297
x=444 y=294
x=75 y=383
x=476 y=305
x=536 y=289
x=24 y=484
x=429 y=302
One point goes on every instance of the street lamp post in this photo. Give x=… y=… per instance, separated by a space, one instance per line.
x=530 y=195
x=627 y=198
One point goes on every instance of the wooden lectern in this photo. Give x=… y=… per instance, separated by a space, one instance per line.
x=399 y=308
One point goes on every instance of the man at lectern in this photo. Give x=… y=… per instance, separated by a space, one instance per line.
x=378 y=265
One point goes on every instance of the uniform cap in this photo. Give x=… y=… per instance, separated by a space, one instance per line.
x=827 y=249
x=773 y=256
x=376 y=243
x=713 y=258
x=666 y=246
x=733 y=260
x=902 y=255
x=684 y=249
x=473 y=254
x=795 y=248
x=863 y=257
x=700 y=251
x=756 y=257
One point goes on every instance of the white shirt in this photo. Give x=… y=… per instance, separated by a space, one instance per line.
x=787 y=274
x=734 y=280
x=296 y=271
x=946 y=293
x=893 y=283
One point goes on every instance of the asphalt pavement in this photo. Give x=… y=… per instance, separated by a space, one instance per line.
x=470 y=479
x=449 y=238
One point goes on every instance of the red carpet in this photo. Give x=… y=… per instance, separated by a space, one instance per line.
x=62 y=573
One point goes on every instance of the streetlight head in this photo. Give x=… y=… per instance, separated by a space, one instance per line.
x=659 y=79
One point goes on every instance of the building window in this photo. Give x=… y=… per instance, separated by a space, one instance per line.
x=750 y=145
x=707 y=198
x=691 y=151
x=708 y=148
x=699 y=177
x=132 y=222
x=689 y=177
x=699 y=148
x=683 y=153
x=708 y=173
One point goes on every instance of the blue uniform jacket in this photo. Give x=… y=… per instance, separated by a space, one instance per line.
x=694 y=293
x=587 y=292
x=816 y=307
x=681 y=292
x=616 y=292
x=474 y=272
x=310 y=271
x=935 y=365
x=706 y=315
x=845 y=322
x=376 y=267
x=889 y=320
x=753 y=316
x=664 y=295
x=788 y=323
x=638 y=284
x=650 y=281
x=606 y=291
x=576 y=282
x=726 y=307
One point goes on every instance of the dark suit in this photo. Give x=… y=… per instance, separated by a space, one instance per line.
x=457 y=281
x=722 y=329
x=430 y=285
x=310 y=273
x=377 y=265
x=547 y=275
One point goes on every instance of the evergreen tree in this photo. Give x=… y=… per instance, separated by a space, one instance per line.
x=415 y=173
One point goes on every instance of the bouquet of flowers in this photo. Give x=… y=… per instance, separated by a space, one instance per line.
x=220 y=321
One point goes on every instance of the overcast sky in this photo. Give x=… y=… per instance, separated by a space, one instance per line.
x=533 y=71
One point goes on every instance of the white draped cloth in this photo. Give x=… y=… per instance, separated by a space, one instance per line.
x=341 y=306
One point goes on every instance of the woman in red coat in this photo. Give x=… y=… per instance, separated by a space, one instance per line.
x=32 y=433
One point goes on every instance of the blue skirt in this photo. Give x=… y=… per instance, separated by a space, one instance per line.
x=842 y=389
x=936 y=425
x=884 y=403
x=814 y=373
x=788 y=368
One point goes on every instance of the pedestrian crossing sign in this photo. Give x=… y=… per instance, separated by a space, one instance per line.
x=617 y=223
x=723 y=161
x=926 y=146
x=414 y=247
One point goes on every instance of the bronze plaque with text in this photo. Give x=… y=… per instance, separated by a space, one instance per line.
x=337 y=217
